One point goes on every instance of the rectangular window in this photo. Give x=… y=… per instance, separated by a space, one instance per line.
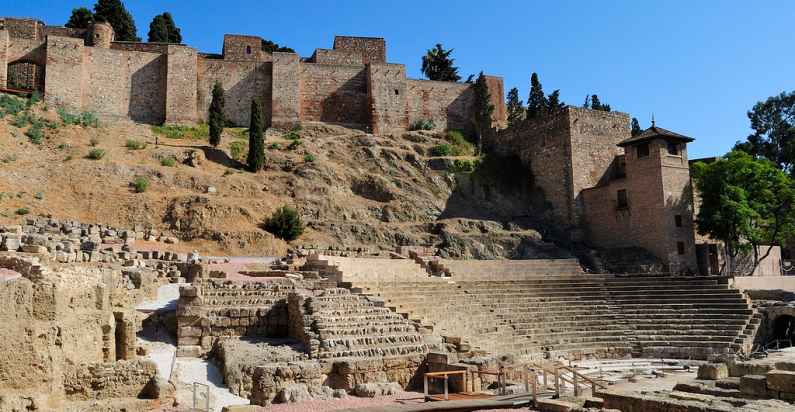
x=680 y=248
x=673 y=149
x=643 y=150
x=678 y=220
x=622 y=202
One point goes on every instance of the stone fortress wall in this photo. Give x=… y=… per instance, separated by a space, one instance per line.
x=351 y=84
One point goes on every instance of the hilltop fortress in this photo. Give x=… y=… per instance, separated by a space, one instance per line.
x=350 y=84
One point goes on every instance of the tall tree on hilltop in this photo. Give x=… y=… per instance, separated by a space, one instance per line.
x=162 y=29
x=636 y=130
x=483 y=109
x=597 y=105
x=773 y=125
x=438 y=65
x=216 y=115
x=114 y=12
x=256 y=144
x=536 y=102
x=554 y=105
x=514 y=107
x=271 y=47
x=81 y=18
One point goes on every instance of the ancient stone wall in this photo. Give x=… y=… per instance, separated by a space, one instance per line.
x=387 y=91
x=371 y=49
x=242 y=81
x=344 y=57
x=65 y=32
x=159 y=48
x=286 y=90
x=23 y=28
x=122 y=379
x=447 y=104
x=64 y=84
x=334 y=94
x=239 y=47
x=181 y=78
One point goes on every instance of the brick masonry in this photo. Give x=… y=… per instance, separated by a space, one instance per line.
x=351 y=84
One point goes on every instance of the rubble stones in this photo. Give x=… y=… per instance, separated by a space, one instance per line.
x=713 y=371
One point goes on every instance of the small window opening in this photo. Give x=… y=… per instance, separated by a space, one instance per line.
x=643 y=150
x=397 y=92
x=680 y=248
x=678 y=220
x=673 y=149
x=621 y=199
x=248 y=49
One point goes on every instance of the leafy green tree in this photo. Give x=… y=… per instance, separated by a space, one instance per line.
x=483 y=109
x=81 y=18
x=514 y=107
x=285 y=223
x=554 y=105
x=773 y=137
x=438 y=65
x=597 y=105
x=271 y=47
x=747 y=204
x=114 y=12
x=537 y=101
x=162 y=29
x=636 y=130
x=256 y=143
x=216 y=115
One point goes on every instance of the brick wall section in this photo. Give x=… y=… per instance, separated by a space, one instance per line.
x=448 y=104
x=239 y=47
x=372 y=49
x=334 y=94
x=64 y=83
x=242 y=81
x=125 y=84
x=181 y=79
x=326 y=56
x=23 y=28
x=387 y=92
x=658 y=189
x=160 y=48
x=65 y=32
x=497 y=92
x=286 y=102
x=3 y=57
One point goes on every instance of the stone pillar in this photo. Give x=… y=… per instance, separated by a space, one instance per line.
x=64 y=83
x=3 y=58
x=386 y=87
x=181 y=84
x=497 y=92
x=286 y=90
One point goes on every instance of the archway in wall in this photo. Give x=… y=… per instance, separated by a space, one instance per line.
x=784 y=329
x=25 y=75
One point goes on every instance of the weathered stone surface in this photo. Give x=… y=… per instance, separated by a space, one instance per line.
x=755 y=385
x=713 y=371
x=780 y=380
x=371 y=390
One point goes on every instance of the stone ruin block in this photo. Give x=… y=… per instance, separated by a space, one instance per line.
x=754 y=385
x=713 y=371
x=781 y=380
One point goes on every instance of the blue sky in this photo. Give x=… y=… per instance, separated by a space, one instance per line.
x=699 y=66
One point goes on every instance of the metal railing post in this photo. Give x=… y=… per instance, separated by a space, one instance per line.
x=445 y=387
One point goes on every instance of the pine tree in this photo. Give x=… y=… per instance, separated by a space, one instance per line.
x=81 y=18
x=216 y=115
x=536 y=102
x=597 y=105
x=636 y=130
x=437 y=65
x=514 y=107
x=162 y=29
x=256 y=144
x=271 y=47
x=587 y=103
x=483 y=108
x=554 y=105
x=114 y=12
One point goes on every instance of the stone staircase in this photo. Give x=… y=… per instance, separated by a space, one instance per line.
x=347 y=269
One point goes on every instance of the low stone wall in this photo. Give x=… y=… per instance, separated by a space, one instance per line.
x=121 y=379
x=269 y=380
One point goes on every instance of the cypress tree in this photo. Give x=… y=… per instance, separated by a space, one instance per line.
x=595 y=103
x=174 y=33
x=536 y=102
x=256 y=144
x=158 y=31
x=483 y=108
x=81 y=18
x=216 y=115
x=114 y=12
x=514 y=107
x=554 y=105
x=636 y=130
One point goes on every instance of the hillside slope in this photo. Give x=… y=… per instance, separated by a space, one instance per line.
x=352 y=189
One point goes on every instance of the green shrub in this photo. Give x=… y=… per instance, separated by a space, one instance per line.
x=441 y=150
x=464 y=165
x=292 y=135
x=294 y=144
x=285 y=223
x=39 y=195
x=140 y=184
x=423 y=124
x=35 y=134
x=21 y=120
x=168 y=161
x=309 y=158
x=460 y=145
x=85 y=119
x=173 y=131
x=96 y=154
x=135 y=144
x=239 y=150
x=274 y=146
x=22 y=211
x=35 y=97
x=10 y=105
